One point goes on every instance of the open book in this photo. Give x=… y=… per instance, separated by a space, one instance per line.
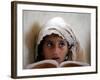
x=55 y=64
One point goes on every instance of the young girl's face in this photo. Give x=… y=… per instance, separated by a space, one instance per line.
x=55 y=47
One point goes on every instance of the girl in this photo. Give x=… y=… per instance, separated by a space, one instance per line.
x=57 y=41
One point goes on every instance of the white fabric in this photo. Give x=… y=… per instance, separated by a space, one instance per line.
x=58 y=26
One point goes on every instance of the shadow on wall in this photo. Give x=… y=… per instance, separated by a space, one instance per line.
x=30 y=43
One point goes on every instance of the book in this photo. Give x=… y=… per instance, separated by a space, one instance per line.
x=55 y=64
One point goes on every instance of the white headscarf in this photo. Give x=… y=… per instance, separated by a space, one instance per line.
x=58 y=26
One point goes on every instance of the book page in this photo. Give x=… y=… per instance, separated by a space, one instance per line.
x=73 y=64
x=43 y=64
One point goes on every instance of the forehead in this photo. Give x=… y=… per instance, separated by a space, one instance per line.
x=53 y=37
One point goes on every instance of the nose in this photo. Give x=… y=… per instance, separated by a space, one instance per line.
x=56 y=50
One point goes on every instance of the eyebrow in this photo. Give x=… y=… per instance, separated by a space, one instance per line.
x=63 y=40
x=48 y=41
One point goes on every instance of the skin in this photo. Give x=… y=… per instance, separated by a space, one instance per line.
x=55 y=48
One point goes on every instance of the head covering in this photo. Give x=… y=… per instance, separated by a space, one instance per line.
x=58 y=26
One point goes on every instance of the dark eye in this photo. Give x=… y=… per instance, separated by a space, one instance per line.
x=62 y=44
x=49 y=44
